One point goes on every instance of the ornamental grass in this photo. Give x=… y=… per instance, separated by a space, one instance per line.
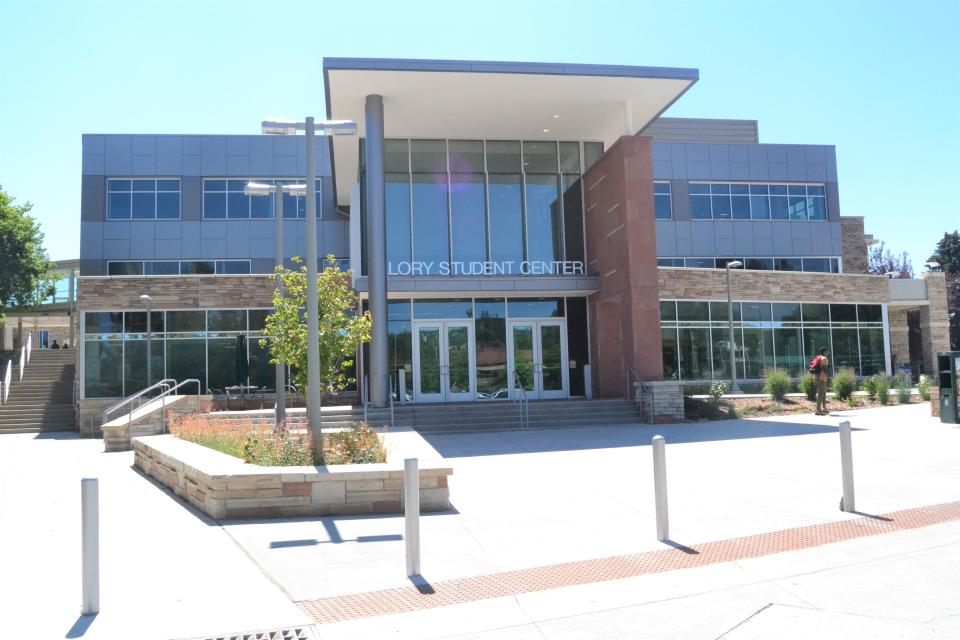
x=290 y=445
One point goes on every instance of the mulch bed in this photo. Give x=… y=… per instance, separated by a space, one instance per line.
x=700 y=410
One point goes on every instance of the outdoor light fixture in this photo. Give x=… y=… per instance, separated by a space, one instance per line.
x=932 y=265
x=322 y=128
x=892 y=274
x=311 y=129
x=733 y=264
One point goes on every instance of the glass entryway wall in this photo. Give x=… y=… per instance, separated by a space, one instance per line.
x=468 y=349
x=452 y=205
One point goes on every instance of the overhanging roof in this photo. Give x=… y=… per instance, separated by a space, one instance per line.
x=494 y=100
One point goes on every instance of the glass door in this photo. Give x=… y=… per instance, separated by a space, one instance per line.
x=538 y=356
x=443 y=358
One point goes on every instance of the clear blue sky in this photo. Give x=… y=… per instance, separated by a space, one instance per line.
x=880 y=80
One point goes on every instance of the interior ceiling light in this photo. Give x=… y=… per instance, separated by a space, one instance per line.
x=556 y=116
x=546 y=130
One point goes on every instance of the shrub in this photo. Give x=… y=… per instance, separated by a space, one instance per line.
x=776 y=407
x=718 y=389
x=844 y=383
x=870 y=386
x=260 y=444
x=697 y=409
x=808 y=384
x=882 y=389
x=904 y=386
x=924 y=389
x=777 y=383
x=852 y=402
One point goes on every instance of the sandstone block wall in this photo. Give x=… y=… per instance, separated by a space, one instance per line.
x=175 y=292
x=776 y=286
x=224 y=487
x=854 y=245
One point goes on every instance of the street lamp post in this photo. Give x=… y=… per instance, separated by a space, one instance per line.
x=147 y=301
x=310 y=128
x=733 y=264
x=277 y=191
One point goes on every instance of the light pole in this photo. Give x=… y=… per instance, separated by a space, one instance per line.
x=146 y=301
x=733 y=264
x=277 y=191
x=310 y=128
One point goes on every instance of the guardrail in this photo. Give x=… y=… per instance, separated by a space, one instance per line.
x=165 y=383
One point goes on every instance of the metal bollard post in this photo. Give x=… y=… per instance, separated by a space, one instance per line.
x=846 y=463
x=411 y=497
x=660 y=487
x=90 y=523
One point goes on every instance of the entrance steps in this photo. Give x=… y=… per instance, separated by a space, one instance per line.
x=469 y=417
x=43 y=400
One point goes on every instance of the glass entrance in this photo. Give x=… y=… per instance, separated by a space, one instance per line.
x=443 y=361
x=537 y=352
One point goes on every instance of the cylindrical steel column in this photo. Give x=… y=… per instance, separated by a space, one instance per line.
x=376 y=250
x=313 y=328
x=280 y=375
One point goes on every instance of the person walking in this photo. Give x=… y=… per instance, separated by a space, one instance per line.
x=820 y=368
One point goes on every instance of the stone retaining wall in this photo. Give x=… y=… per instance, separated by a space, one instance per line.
x=224 y=487
x=660 y=401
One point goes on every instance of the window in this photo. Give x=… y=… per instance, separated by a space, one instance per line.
x=662 y=204
x=140 y=199
x=225 y=200
x=747 y=201
x=174 y=267
x=823 y=265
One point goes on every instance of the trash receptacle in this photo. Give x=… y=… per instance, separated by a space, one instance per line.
x=948 y=369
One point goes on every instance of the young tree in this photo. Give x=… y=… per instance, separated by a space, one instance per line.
x=342 y=331
x=948 y=253
x=882 y=262
x=26 y=273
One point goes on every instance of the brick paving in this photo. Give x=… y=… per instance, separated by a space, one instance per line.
x=508 y=583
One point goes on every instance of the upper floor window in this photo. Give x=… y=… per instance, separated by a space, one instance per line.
x=176 y=267
x=757 y=201
x=821 y=265
x=225 y=199
x=140 y=199
x=662 y=203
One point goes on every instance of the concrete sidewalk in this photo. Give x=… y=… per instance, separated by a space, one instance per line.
x=166 y=572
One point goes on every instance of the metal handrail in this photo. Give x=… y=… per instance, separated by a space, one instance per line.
x=29 y=345
x=523 y=400
x=632 y=378
x=6 y=380
x=23 y=355
x=122 y=403
x=163 y=398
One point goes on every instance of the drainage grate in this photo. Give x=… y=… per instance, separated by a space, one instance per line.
x=291 y=633
x=508 y=583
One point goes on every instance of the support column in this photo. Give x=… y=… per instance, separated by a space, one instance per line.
x=376 y=250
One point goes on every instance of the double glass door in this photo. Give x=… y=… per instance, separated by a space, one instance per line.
x=537 y=351
x=443 y=361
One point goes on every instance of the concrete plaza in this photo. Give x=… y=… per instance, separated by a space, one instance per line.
x=523 y=500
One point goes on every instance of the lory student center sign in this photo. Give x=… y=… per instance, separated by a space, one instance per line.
x=475 y=268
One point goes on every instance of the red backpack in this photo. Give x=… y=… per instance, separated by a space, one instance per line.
x=814 y=366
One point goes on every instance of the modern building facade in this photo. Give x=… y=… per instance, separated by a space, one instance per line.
x=509 y=225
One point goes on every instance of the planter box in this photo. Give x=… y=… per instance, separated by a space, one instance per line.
x=225 y=487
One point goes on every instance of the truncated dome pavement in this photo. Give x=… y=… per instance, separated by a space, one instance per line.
x=425 y=595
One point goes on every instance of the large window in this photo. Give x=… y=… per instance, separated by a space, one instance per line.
x=140 y=199
x=662 y=203
x=177 y=267
x=225 y=199
x=757 y=201
x=787 y=335
x=453 y=204
x=817 y=265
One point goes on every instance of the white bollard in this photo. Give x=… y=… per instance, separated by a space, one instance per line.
x=660 y=487
x=411 y=497
x=846 y=464
x=90 y=523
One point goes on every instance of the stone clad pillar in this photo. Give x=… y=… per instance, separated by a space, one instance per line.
x=376 y=251
x=622 y=250
x=934 y=321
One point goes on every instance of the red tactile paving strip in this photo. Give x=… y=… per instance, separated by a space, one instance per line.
x=508 y=583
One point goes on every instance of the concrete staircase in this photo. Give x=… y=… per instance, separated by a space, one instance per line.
x=473 y=417
x=43 y=400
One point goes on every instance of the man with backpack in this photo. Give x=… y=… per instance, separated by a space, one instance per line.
x=820 y=370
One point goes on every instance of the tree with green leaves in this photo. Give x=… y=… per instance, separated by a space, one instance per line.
x=947 y=253
x=342 y=330
x=26 y=274
x=881 y=261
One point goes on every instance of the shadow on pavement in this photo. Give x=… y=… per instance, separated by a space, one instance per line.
x=544 y=441
x=80 y=626
x=57 y=435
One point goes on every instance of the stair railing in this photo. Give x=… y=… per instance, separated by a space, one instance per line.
x=29 y=345
x=163 y=399
x=163 y=384
x=23 y=361
x=632 y=379
x=6 y=380
x=522 y=399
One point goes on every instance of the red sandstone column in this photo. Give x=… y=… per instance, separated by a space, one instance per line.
x=622 y=250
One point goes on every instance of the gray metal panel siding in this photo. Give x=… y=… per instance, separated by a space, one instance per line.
x=191 y=198
x=93 y=198
x=747 y=238
x=703 y=130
